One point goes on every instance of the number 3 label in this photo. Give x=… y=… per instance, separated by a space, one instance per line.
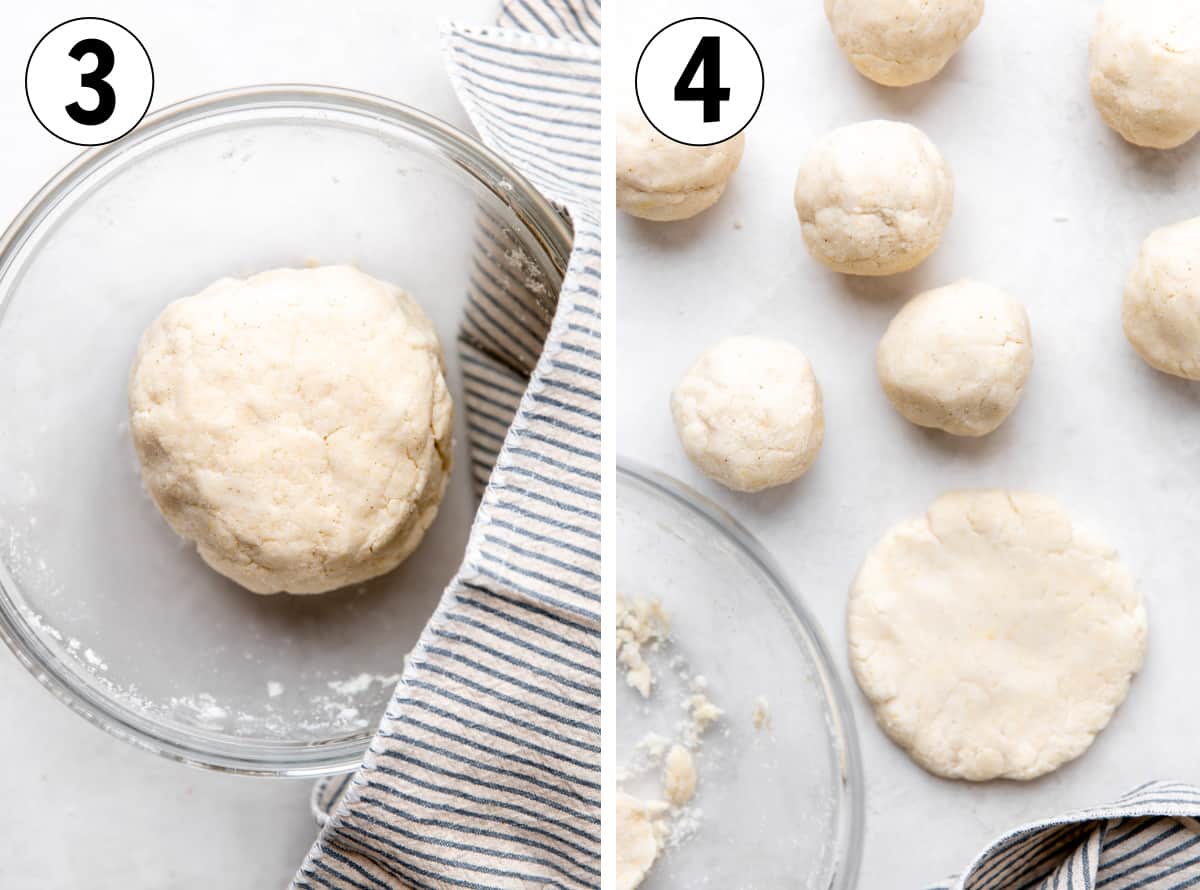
x=699 y=81
x=94 y=80
x=89 y=81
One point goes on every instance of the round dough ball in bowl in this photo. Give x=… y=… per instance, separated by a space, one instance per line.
x=994 y=636
x=295 y=425
x=749 y=414
x=663 y=180
x=1145 y=70
x=874 y=198
x=898 y=43
x=956 y=358
x=1161 y=312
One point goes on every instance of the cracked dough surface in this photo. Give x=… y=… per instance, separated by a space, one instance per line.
x=749 y=413
x=660 y=179
x=295 y=425
x=901 y=42
x=874 y=198
x=1144 y=70
x=1161 y=312
x=993 y=636
x=956 y=358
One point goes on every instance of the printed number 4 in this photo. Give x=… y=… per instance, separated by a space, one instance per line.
x=710 y=91
x=94 y=80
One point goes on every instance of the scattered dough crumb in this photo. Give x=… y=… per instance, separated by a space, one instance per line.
x=645 y=827
x=640 y=834
x=274 y=689
x=701 y=712
x=653 y=744
x=648 y=754
x=639 y=622
x=762 y=713
x=679 y=776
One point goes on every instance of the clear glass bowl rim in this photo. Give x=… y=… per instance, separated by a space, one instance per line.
x=848 y=840
x=540 y=219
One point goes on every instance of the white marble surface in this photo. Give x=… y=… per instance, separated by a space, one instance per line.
x=1051 y=206
x=81 y=808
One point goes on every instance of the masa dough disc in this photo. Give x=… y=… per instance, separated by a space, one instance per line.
x=295 y=425
x=993 y=636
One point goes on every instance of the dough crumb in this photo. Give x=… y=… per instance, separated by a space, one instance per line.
x=641 y=832
x=653 y=745
x=646 y=827
x=701 y=712
x=679 y=776
x=640 y=622
x=762 y=713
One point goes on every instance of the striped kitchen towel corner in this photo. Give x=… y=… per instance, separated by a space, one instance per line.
x=485 y=771
x=1149 y=840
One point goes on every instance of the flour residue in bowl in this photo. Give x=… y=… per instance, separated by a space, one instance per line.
x=347 y=704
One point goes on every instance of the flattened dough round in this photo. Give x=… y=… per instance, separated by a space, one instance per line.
x=993 y=636
x=956 y=358
x=1161 y=313
x=660 y=179
x=1144 y=70
x=749 y=413
x=901 y=42
x=295 y=425
x=874 y=198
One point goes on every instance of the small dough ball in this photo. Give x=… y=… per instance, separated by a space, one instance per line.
x=956 y=358
x=662 y=180
x=993 y=636
x=1162 y=300
x=748 y=413
x=901 y=42
x=874 y=198
x=295 y=425
x=1145 y=70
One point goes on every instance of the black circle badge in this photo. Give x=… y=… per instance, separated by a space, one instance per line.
x=699 y=81
x=89 y=81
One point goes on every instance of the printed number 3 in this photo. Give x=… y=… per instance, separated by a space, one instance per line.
x=94 y=80
x=710 y=91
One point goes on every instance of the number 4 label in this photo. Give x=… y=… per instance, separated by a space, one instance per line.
x=707 y=58
x=699 y=81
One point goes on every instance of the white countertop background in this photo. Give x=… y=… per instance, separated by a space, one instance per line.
x=79 y=807
x=1050 y=206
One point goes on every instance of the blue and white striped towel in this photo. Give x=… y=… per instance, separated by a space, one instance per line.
x=485 y=772
x=1149 y=840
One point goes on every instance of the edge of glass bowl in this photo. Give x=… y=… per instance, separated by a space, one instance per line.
x=851 y=813
x=534 y=212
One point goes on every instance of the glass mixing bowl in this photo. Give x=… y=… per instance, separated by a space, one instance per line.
x=113 y=613
x=779 y=804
